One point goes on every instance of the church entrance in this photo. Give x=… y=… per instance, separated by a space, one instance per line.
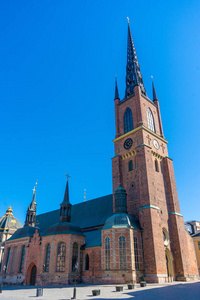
x=169 y=263
x=33 y=275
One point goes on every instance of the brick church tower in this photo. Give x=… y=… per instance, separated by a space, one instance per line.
x=142 y=166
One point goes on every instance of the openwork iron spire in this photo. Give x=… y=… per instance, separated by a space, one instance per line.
x=116 y=89
x=133 y=74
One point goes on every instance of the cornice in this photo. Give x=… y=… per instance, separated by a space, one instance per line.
x=137 y=129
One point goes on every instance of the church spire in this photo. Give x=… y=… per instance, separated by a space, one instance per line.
x=155 y=98
x=65 y=206
x=116 y=89
x=31 y=211
x=133 y=74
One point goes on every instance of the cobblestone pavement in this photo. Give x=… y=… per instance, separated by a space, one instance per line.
x=172 y=291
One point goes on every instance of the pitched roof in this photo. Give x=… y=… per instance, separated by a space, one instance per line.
x=85 y=215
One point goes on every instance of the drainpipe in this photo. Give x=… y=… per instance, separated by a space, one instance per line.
x=144 y=274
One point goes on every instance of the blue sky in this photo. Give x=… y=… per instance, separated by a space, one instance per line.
x=58 y=61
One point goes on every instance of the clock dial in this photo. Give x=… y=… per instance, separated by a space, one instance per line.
x=156 y=144
x=128 y=143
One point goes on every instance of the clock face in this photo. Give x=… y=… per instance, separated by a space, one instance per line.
x=128 y=143
x=156 y=144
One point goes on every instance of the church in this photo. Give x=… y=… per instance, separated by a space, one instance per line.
x=137 y=233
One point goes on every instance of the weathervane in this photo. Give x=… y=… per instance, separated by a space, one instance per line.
x=68 y=176
x=128 y=19
x=34 y=189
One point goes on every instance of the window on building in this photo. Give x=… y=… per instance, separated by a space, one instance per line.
x=87 y=262
x=7 y=261
x=47 y=258
x=13 y=263
x=61 y=253
x=122 y=252
x=128 y=120
x=156 y=166
x=75 y=257
x=130 y=165
x=199 y=245
x=107 y=253
x=136 y=254
x=150 y=120
x=22 y=259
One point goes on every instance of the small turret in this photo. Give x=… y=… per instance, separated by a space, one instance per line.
x=65 y=206
x=155 y=98
x=116 y=89
x=120 y=200
x=31 y=211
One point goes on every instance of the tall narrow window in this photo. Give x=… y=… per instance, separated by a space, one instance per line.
x=75 y=257
x=47 y=258
x=150 y=120
x=122 y=252
x=22 y=260
x=87 y=262
x=130 y=165
x=156 y=166
x=60 y=261
x=107 y=253
x=13 y=263
x=128 y=120
x=136 y=253
x=7 y=261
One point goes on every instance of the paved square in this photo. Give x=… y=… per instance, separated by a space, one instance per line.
x=182 y=291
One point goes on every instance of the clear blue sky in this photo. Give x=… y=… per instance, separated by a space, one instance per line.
x=58 y=61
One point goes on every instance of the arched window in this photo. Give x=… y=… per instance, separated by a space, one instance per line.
x=150 y=120
x=122 y=252
x=128 y=120
x=107 y=253
x=87 y=262
x=75 y=258
x=60 y=261
x=47 y=258
x=13 y=264
x=22 y=260
x=130 y=165
x=7 y=261
x=156 y=165
x=136 y=254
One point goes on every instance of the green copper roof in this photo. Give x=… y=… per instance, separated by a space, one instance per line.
x=84 y=215
x=92 y=238
x=63 y=228
x=121 y=220
x=23 y=232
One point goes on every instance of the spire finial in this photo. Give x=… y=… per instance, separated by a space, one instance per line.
x=66 y=196
x=34 y=189
x=116 y=89
x=133 y=74
x=155 y=98
x=127 y=19
x=9 y=212
x=68 y=176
